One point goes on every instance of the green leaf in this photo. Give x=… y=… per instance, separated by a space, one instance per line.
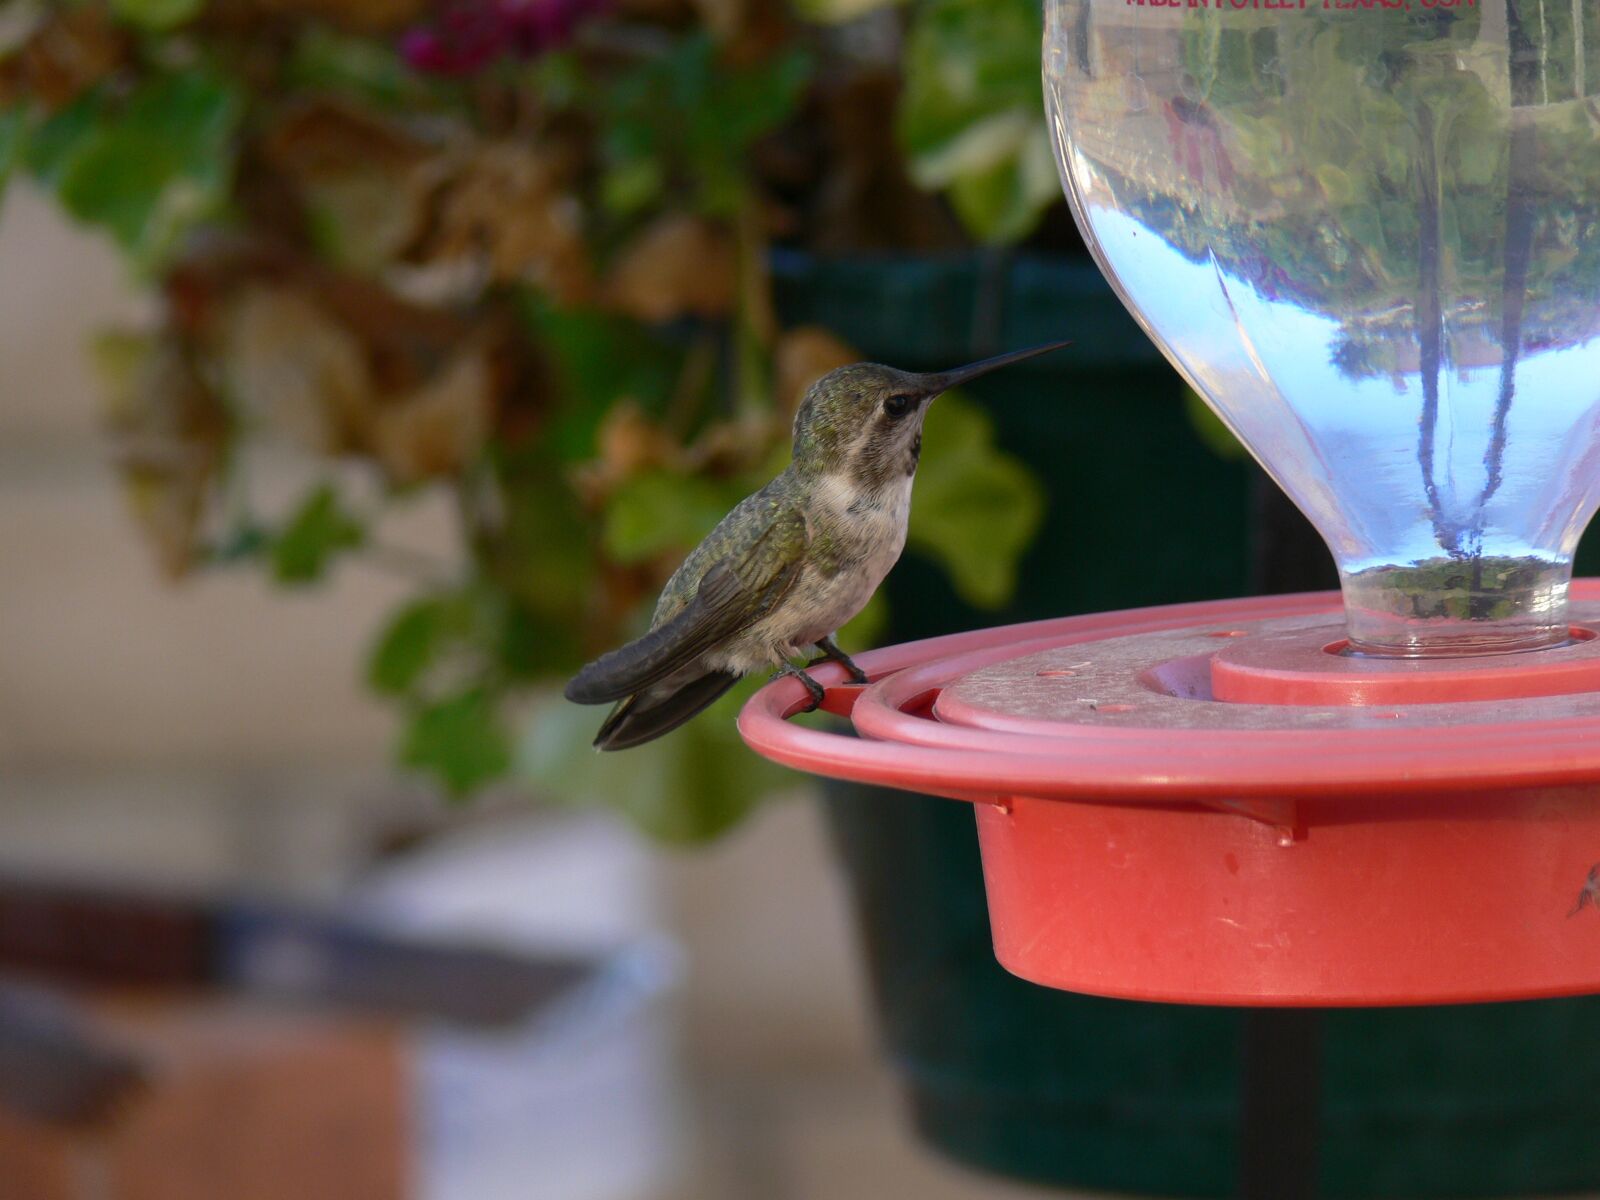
x=461 y=741
x=972 y=114
x=319 y=530
x=976 y=508
x=156 y=15
x=531 y=645
x=541 y=556
x=13 y=131
x=688 y=787
x=697 y=116
x=366 y=69
x=659 y=511
x=411 y=643
x=478 y=632
x=1208 y=427
x=599 y=360
x=57 y=142
x=157 y=166
x=1003 y=203
x=245 y=542
x=632 y=186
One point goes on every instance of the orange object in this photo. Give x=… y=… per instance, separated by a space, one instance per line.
x=239 y=1102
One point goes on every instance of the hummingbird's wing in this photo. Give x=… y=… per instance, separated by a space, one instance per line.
x=737 y=591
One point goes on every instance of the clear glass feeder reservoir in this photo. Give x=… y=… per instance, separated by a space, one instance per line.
x=1368 y=234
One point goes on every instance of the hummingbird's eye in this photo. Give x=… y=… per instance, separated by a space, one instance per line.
x=896 y=407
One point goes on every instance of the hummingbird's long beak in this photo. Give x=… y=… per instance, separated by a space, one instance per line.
x=943 y=381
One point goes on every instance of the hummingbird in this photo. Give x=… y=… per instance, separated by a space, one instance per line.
x=790 y=564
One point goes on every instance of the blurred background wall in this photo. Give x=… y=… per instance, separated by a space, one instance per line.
x=216 y=735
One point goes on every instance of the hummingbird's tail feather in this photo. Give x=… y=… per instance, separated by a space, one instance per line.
x=645 y=717
x=724 y=603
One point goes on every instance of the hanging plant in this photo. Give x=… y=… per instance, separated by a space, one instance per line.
x=512 y=252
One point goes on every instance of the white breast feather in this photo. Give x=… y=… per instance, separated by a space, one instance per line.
x=871 y=536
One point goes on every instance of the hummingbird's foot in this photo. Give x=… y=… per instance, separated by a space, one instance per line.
x=817 y=692
x=832 y=653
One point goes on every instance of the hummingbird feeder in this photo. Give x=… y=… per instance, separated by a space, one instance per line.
x=1369 y=237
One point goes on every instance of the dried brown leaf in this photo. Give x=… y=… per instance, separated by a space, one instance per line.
x=360 y=16
x=442 y=426
x=803 y=356
x=343 y=365
x=749 y=30
x=628 y=442
x=363 y=180
x=507 y=205
x=732 y=448
x=324 y=136
x=70 y=52
x=681 y=265
x=167 y=430
x=290 y=366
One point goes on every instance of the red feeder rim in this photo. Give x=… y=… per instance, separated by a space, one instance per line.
x=1313 y=815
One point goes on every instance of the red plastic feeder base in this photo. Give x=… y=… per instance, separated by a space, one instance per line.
x=1208 y=804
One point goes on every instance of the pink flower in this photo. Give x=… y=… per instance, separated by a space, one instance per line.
x=469 y=35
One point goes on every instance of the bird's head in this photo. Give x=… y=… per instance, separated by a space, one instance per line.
x=866 y=420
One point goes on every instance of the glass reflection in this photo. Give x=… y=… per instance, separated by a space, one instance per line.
x=1371 y=238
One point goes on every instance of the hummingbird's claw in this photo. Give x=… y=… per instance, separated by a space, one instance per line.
x=817 y=692
x=832 y=653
